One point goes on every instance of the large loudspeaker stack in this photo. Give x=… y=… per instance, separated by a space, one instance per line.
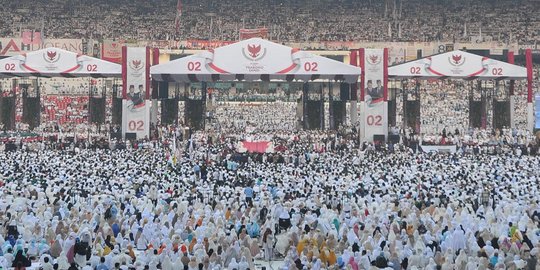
x=339 y=112
x=169 y=106
x=169 y=111
x=392 y=112
x=475 y=113
x=313 y=109
x=117 y=105
x=96 y=110
x=193 y=113
x=195 y=109
x=392 y=107
x=31 y=105
x=344 y=91
x=314 y=112
x=501 y=114
x=7 y=112
x=305 y=120
x=163 y=90
x=31 y=111
x=413 y=113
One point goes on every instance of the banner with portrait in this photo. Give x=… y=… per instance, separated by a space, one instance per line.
x=111 y=50
x=375 y=118
x=135 y=104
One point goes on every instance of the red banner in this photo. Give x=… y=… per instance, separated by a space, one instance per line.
x=257 y=147
x=31 y=37
x=112 y=51
x=253 y=33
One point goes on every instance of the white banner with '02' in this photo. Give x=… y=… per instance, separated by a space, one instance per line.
x=375 y=119
x=135 y=106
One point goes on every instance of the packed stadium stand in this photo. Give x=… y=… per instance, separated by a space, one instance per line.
x=288 y=21
x=219 y=175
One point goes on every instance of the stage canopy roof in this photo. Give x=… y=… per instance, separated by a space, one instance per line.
x=253 y=60
x=54 y=62
x=457 y=64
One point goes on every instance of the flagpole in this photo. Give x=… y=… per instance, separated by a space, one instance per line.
x=211 y=26
x=178 y=15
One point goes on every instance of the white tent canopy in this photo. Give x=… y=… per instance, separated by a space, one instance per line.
x=252 y=60
x=54 y=62
x=457 y=64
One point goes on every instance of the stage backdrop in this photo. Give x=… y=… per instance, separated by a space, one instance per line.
x=375 y=115
x=135 y=104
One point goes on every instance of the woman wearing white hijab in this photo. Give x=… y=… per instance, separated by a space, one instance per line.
x=461 y=260
x=431 y=265
x=166 y=263
x=458 y=239
x=62 y=261
x=243 y=264
x=233 y=264
x=472 y=264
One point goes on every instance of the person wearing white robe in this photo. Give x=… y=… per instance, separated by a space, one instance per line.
x=166 y=264
x=458 y=239
x=62 y=261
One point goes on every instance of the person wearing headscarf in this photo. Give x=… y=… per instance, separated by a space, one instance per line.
x=268 y=244
x=62 y=261
x=56 y=247
x=46 y=263
x=193 y=265
x=21 y=260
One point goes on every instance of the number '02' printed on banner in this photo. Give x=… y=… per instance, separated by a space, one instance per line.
x=9 y=67
x=497 y=71
x=311 y=66
x=374 y=120
x=91 y=68
x=415 y=70
x=194 y=66
x=136 y=125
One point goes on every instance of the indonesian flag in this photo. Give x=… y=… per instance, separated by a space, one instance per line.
x=255 y=147
x=31 y=37
x=178 y=14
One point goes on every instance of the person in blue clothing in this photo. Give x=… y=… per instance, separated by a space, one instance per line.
x=253 y=229
x=102 y=265
x=494 y=259
x=248 y=191
x=197 y=170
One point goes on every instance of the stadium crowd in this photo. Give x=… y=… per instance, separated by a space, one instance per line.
x=288 y=21
x=319 y=200
x=256 y=117
x=74 y=198
x=322 y=200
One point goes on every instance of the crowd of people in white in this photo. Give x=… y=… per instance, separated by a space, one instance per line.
x=312 y=199
x=324 y=201
x=319 y=200
x=257 y=117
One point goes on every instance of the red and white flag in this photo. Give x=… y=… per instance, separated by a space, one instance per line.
x=178 y=14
